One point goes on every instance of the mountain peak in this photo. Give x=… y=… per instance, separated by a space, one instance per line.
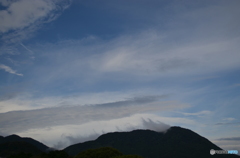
x=175 y=142
x=13 y=136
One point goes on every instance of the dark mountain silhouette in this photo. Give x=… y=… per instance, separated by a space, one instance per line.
x=104 y=152
x=1 y=138
x=177 y=142
x=15 y=138
x=11 y=148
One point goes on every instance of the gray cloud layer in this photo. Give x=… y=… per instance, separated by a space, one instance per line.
x=17 y=121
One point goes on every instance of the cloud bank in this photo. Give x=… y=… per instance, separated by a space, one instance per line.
x=65 y=115
x=62 y=136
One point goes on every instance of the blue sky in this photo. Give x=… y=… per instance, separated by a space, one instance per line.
x=72 y=70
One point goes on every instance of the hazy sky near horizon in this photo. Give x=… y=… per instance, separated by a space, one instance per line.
x=71 y=70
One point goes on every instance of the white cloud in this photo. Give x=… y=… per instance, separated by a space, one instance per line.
x=9 y=70
x=23 y=13
x=30 y=14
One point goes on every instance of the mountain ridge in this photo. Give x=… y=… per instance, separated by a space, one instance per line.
x=15 y=138
x=176 y=142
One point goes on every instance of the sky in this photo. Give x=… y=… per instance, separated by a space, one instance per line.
x=71 y=70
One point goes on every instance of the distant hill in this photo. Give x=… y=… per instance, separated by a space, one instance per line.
x=177 y=142
x=15 y=138
x=11 y=148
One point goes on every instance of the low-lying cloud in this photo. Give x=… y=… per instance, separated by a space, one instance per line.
x=156 y=126
x=146 y=123
x=63 y=135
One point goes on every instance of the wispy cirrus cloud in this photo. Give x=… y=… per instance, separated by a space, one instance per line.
x=236 y=85
x=9 y=70
x=201 y=113
x=227 y=123
x=229 y=119
x=147 y=54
